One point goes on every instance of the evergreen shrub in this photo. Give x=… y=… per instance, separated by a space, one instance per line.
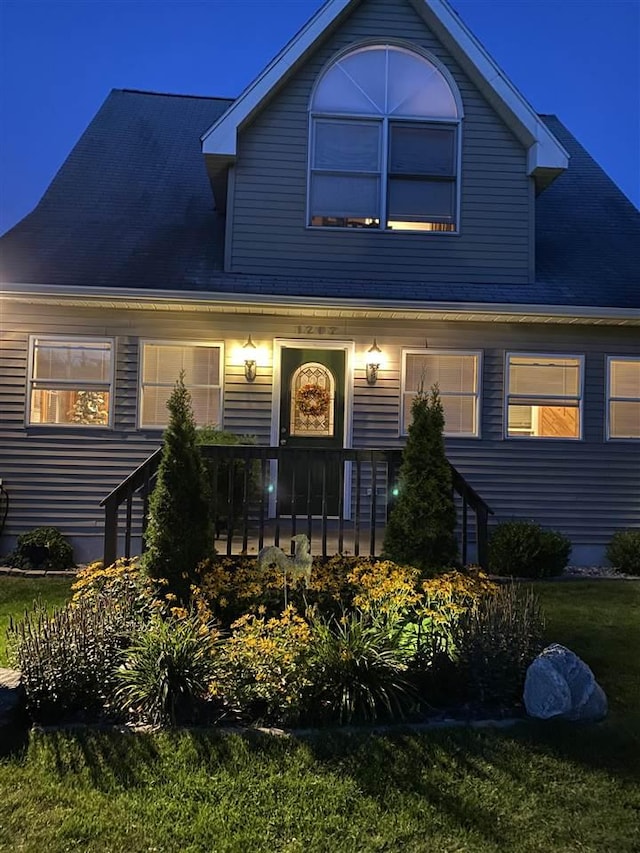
x=42 y=548
x=525 y=549
x=623 y=551
x=179 y=533
x=421 y=527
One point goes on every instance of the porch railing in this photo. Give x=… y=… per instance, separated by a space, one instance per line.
x=254 y=502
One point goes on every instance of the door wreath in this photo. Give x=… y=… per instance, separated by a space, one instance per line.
x=312 y=400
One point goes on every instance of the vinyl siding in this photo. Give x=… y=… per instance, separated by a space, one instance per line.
x=58 y=476
x=585 y=488
x=268 y=232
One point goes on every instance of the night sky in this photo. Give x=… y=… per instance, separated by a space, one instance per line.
x=579 y=59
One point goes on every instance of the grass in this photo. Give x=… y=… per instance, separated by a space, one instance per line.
x=17 y=594
x=536 y=787
x=600 y=621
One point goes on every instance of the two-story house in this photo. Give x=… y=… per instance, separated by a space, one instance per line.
x=380 y=209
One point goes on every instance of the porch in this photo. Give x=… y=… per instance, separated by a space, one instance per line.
x=341 y=499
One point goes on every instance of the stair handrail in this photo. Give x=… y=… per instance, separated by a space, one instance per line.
x=140 y=481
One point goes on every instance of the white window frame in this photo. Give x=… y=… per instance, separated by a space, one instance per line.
x=143 y=342
x=477 y=354
x=108 y=386
x=508 y=397
x=611 y=399
x=384 y=122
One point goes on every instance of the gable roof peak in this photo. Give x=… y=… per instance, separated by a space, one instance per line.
x=545 y=153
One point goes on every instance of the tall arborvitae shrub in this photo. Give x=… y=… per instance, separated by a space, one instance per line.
x=179 y=534
x=421 y=528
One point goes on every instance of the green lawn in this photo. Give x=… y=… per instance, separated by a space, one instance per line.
x=548 y=788
x=600 y=621
x=17 y=594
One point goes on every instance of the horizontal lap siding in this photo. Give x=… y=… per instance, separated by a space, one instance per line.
x=58 y=476
x=587 y=489
x=268 y=233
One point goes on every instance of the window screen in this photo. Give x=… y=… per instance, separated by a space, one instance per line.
x=422 y=150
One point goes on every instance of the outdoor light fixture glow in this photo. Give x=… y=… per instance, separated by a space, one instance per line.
x=250 y=360
x=373 y=363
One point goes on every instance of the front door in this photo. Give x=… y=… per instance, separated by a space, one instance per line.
x=311 y=418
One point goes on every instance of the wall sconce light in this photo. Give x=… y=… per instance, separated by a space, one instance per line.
x=373 y=363
x=249 y=360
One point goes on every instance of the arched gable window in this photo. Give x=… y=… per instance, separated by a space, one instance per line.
x=384 y=143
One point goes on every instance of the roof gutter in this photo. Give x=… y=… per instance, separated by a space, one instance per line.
x=133 y=298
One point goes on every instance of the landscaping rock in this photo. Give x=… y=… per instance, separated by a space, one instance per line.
x=14 y=721
x=11 y=695
x=560 y=685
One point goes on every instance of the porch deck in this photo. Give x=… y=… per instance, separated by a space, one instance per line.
x=341 y=499
x=326 y=536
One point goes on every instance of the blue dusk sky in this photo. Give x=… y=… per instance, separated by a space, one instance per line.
x=579 y=59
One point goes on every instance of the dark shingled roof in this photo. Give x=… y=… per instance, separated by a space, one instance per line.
x=587 y=232
x=132 y=204
x=132 y=207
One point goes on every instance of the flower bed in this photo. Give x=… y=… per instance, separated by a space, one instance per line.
x=362 y=641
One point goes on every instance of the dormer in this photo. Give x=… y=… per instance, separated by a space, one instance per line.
x=384 y=142
x=382 y=116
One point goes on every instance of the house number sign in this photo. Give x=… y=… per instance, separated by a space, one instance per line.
x=317 y=330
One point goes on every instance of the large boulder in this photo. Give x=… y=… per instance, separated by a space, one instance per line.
x=560 y=685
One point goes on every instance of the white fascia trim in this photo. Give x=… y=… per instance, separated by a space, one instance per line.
x=222 y=137
x=544 y=150
x=189 y=300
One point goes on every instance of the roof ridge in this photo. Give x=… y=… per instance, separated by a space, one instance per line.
x=173 y=94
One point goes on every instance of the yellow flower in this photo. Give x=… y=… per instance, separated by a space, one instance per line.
x=179 y=612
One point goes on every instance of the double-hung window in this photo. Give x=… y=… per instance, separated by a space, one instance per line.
x=70 y=382
x=544 y=396
x=624 y=397
x=384 y=143
x=457 y=375
x=162 y=364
